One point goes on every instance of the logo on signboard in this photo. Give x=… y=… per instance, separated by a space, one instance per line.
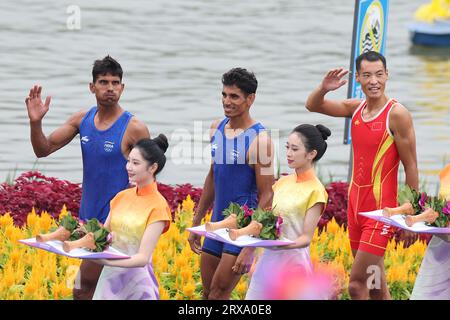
x=372 y=28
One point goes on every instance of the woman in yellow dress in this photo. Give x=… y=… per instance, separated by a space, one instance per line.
x=300 y=199
x=137 y=218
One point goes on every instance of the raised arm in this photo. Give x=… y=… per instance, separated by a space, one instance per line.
x=316 y=101
x=401 y=126
x=42 y=145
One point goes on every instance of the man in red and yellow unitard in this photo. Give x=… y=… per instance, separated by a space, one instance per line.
x=382 y=136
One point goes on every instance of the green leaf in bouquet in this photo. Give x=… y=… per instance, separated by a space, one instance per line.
x=69 y=223
x=268 y=233
x=77 y=234
x=101 y=239
x=268 y=220
x=405 y=194
x=243 y=221
x=438 y=204
x=232 y=208
x=92 y=225
x=440 y=223
x=408 y=194
x=263 y=216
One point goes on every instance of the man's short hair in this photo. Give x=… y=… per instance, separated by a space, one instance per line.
x=105 y=66
x=241 y=78
x=371 y=56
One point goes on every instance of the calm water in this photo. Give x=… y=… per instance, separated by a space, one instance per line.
x=174 y=53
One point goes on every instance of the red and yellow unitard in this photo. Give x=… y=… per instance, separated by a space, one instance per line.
x=374 y=179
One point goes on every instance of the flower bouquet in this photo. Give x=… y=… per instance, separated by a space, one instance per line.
x=91 y=236
x=436 y=213
x=419 y=207
x=71 y=234
x=264 y=225
x=235 y=217
x=65 y=231
x=411 y=203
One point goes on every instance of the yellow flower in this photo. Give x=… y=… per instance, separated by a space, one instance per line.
x=30 y=288
x=155 y=259
x=45 y=222
x=332 y=226
x=13 y=295
x=188 y=205
x=31 y=219
x=163 y=294
x=14 y=256
x=186 y=274
x=188 y=290
x=6 y=220
x=19 y=273
x=63 y=212
x=13 y=234
x=241 y=288
x=179 y=296
x=60 y=291
x=163 y=266
x=8 y=278
x=207 y=217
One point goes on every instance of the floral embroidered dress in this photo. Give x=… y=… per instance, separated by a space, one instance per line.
x=293 y=197
x=132 y=210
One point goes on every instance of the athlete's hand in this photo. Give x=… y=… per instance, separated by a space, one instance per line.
x=194 y=242
x=333 y=79
x=36 y=108
x=244 y=261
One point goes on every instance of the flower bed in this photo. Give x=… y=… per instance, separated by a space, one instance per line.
x=35 y=190
x=29 y=273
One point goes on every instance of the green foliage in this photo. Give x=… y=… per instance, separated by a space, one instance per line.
x=269 y=222
x=438 y=204
x=69 y=223
x=243 y=214
x=101 y=239
x=101 y=234
x=408 y=194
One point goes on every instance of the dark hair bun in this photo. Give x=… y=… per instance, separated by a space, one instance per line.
x=324 y=131
x=162 y=142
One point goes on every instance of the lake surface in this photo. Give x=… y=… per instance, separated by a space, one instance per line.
x=173 y=54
